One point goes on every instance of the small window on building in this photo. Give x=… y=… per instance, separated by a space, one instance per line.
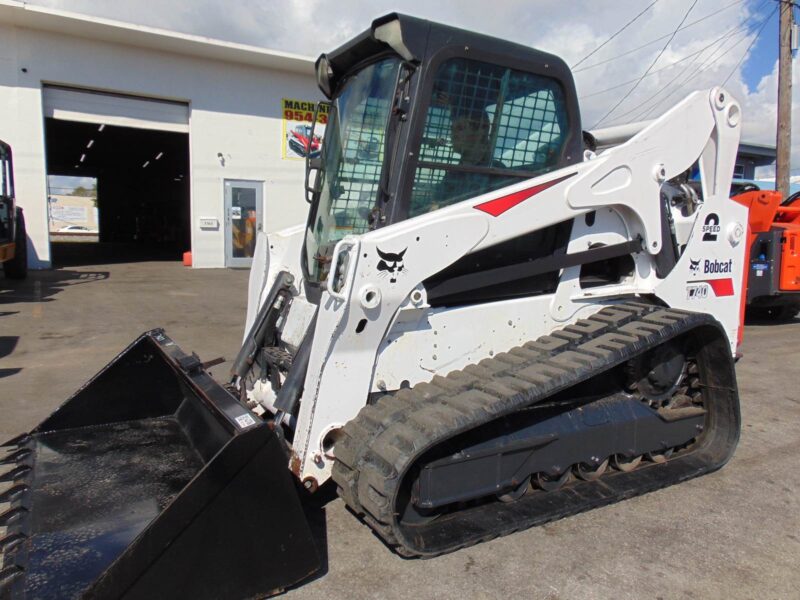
x=487 y=126
x=738 y=172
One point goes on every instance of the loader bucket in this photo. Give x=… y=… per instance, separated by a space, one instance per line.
x=150 y=482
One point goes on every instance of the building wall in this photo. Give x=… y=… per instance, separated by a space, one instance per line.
x=235 y=111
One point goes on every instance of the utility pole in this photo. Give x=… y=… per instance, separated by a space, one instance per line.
x=784 y=133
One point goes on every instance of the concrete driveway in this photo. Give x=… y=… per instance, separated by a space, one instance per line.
x=732 y=534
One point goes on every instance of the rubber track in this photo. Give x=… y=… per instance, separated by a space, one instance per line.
x=385 y=439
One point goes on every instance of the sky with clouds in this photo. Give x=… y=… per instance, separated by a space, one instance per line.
x=732 y=41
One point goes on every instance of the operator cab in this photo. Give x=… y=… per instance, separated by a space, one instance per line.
x=423 y=116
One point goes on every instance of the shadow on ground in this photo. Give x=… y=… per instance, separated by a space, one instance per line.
x=7 y=345
x=40 y=286
x=768 y=320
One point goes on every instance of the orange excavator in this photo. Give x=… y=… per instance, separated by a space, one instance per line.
x=773 y=280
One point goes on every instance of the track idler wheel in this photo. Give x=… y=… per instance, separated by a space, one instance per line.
x=588 y=472
x=550 y=483
x=517 y=492
x=659 y=457
x=626 y=464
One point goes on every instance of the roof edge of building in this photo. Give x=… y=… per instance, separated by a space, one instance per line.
x=41 y=18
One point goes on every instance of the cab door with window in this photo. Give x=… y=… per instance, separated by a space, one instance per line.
x=488 y=126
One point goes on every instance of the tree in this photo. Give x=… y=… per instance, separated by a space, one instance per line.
x=86 y=193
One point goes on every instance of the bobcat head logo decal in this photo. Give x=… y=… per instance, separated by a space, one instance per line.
x=391 y=264
x=694 y=265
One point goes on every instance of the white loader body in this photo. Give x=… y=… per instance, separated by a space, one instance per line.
x=376 y=332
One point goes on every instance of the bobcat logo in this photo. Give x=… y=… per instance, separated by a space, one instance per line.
x=390 y=264
x=694 y=265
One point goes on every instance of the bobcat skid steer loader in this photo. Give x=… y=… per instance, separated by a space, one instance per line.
x=490 y=321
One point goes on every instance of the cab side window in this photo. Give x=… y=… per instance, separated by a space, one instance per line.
x=4 y=174
x=487 y=126
x=5 y=193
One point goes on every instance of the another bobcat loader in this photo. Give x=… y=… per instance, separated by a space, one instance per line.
x=492 y=321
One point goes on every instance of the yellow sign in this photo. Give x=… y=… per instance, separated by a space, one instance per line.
x=298 y=141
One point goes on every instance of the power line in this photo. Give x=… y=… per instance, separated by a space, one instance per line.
x=704 y=66
x=658 y=39
x=630 y=91
x=755 y=39
x=624 y=27
x=658 y=93
x=641 y=112
x=728 y=34
x=666 y=68
x=707 y=65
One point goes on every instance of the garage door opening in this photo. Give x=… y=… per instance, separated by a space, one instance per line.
x=118 y=178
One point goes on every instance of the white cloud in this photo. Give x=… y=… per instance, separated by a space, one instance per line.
x=569 y=29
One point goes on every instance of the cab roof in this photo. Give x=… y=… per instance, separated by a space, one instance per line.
x=417 y=40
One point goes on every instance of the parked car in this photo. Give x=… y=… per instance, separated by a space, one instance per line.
x=76 y=229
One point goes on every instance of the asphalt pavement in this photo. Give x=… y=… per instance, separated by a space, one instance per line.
x=731 y=534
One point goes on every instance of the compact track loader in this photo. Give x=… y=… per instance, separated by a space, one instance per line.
x=491 y=320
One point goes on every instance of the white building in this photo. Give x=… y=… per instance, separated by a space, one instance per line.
x=172 y=126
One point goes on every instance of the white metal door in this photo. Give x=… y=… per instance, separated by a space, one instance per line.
x=87 y=106
x=243 y=219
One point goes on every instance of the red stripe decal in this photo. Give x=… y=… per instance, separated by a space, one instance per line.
x=721 y=287
x=500 y=205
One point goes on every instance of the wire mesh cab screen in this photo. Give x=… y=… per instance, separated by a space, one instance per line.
x=487 y=126
x=360 y=169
